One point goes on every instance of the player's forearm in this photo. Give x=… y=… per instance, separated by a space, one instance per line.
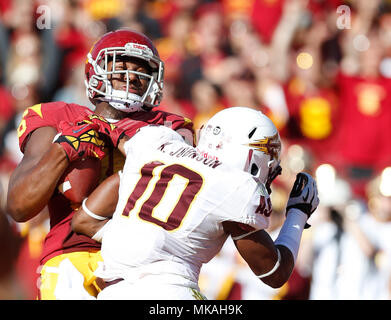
x=287 y=243
x=103 y=200
x=283 y=270
x=101 y=204
x=84 y=224
x=272 y=264
x=33 y=182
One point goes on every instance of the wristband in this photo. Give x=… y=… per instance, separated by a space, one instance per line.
x=90 y=213
x=244 y=235
x=274 y=268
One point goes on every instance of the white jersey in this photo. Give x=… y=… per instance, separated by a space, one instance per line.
x=172 y=202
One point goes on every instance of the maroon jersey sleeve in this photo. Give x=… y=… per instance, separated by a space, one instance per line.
x=47 y=115
x=140 y=119
x=178 y=122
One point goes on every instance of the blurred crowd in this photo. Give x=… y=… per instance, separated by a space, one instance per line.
x=321 y=69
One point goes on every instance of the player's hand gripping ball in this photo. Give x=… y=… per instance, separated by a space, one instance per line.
x=84 y=148
x=81 y=140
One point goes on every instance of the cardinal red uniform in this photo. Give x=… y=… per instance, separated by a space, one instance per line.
x=61 y=240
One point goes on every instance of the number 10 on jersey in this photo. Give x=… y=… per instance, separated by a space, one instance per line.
x=167 y=195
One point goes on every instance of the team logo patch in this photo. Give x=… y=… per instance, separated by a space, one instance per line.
x=136 y=48
x=269 y=145
x=90 y=137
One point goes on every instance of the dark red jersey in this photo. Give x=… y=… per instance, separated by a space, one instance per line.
x=61 y=238
x=365 y=120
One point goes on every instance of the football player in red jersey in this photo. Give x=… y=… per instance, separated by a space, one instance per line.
x=124 y=80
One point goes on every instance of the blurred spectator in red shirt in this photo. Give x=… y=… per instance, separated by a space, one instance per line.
x=265 y=17
x=6 y=107
x=365 y=99
x=311 y=100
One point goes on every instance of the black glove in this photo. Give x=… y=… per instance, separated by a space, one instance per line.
x=304 y=195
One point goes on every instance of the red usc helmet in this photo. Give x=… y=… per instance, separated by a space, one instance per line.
x=113 y=46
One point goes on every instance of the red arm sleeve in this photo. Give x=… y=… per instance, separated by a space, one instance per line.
x=47 y=115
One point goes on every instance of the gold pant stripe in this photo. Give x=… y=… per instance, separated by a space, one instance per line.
x=85 y=262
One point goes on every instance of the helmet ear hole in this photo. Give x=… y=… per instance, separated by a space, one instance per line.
x=254 y=169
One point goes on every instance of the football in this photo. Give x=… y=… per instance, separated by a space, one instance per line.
x=80 y=179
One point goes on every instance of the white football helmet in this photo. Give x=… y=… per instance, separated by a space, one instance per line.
x=243 y=138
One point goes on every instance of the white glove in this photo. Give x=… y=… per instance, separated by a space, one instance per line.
x=304 y=195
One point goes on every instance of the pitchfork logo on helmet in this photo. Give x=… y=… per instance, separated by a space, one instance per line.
x=111 y=47
x=247 y=140
x=269 y=145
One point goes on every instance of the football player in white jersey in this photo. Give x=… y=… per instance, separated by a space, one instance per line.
x=175 y=205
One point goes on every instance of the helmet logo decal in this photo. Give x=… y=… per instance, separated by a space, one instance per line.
x=138 y=49
x=269 y=145
x=216 y=130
